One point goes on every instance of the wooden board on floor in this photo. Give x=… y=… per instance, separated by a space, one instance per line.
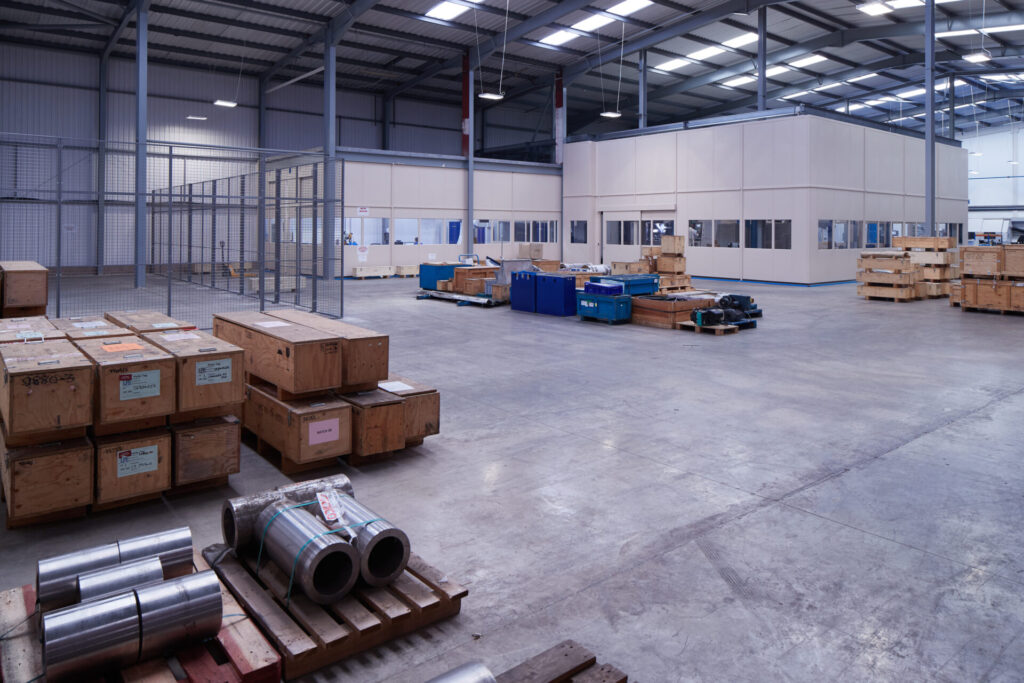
x=310 y=636
x=566 y=662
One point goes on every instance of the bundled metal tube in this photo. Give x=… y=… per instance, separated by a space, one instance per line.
x=57 y=577
x=239 y=516
x=472 y=672
x=323 y=565
x=102 y=583
x=383 y=547
x=178 y=611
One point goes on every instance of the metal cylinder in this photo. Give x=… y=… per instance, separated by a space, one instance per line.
x=57 y=577
x=178 y=611
x=471 y=672
x=102 y=583
x=324 y=567
x=173 y=547
x=91 y=635
x=238 y=519
x=383 y=547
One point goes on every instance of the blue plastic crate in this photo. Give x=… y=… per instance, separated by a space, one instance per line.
x=523 y=291
x=556 y=294
x=634 y=285
x=602 y=288
x=608 y=308
x=431 y=273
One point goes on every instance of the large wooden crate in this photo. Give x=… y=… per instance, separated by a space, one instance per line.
x=46 y=388
x=364 y=353
x=673 y=244
x=210 y=373
x=422 y=407
x=934 y=258
x=545 y=265
x=294 y=357
x=1016 y=296
x=89 y=327
x=461 y=275
x=986 y=261
x=303 y=431
x=22 y=285
x=989 y=294
x=25 y=330
x=141 y=322
x=46 y=482
x=131 y=466
x=630 y=267
x=378 y=423
x=665 y=313
x=935 y=243
x=206 y=449
x=671 y=264
x=30 y=323
x=1013 y=260
x=134 y=379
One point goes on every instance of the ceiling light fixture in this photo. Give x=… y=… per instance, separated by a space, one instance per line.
x=193 y=117
x=874 y=9
x=672 y=64
x=499 y=94
x=608 y=114
x=493 y=96
x=225 y=103
x=611 y=114
x=978 y=57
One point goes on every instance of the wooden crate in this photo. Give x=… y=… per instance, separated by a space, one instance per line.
x=651 y=252
x=296 y=358
x=531 y=251
x=894 y=261
x=30 y=336
x=546 y=265
x=671 y=264
x=934 y=258
x=217 y=411
x=31 y=323
x=934 y=243
x=989 y=294
x=364 y=353
x=141 y=322
x=210 y=372
x=500 y=292
x=474 y=286
x=460 y=275
x=665 y=313
x=46 y=388
x=907 y=278
x=132 y=466
x=897 y=293
x=310 y=636
x=629 y=267
x=1013 y=260
x=936 y=272
x=303 y=431
x=238 y=654
x=407 y=271
x=134 y=379
x=89 y=327
x=1016 y=296
x=956 y=293
x=23 y=285
x=673 y=244
x=422 y=407
x=982 y=261
x=372 y=271
x=932 y=289
x=48 y=482
x=206 y=449
x=567 y=661
x=378 y=423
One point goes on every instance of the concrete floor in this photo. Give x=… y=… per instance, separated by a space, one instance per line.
x=836 y=495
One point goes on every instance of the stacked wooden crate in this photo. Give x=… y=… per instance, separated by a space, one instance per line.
x=22 y=289
x=671 y=264
x=469 y=280
x=29 y=329
x=936 y=259
x=888 y=275
x=992 y=278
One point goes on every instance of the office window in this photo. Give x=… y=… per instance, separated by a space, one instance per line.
x=759 y=234
x=630 y=232
x=784 y=234
x=856 y=236
x=878 y=234
x=898 y=230
x=500 y=231
x=375 y=231
x=481 y=231
x=407 y=231
x=540 y=231
x=840 y=235
x=431 y=231
x=522 y=231
x=454 y=230
x=824 y=234
x=552 y=231
x=613 y=232
x=727 y=234
x=353 y=229
x=700 y=234
x=652 y=231
x=578 y=232
x=917 y=230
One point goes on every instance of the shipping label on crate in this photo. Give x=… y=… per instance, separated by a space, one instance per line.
x=163 y=326
x=135 y=385
x=29 y=334
x=97 y=333
x=323 y=431
x=137 y=460
x=272 y=323
x=213 y=371
x=394 y=386
x=179 y=336
x=89 y=324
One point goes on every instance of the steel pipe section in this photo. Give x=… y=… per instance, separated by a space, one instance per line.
x=383 y=547
x=178 y=611
x=91 y=635
x=102 y=583
x=239 y=516
x=325 y=567
x=472 y=672
x=57 y=577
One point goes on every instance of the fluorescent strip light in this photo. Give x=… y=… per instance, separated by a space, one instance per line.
x=977 y=154
x=1011 y=162
x=855 y=107
x=447 y=10
x=828 y=86
x=558 y=38
x=954 y=34
x=494 y=96
x=741 y=40
x=611 y=114
x=776 y=70
x=902 y=4
x=739 y=80
x=874 y=103
x=701 y=55
x=796 y=94
x=225 y=103
x=1003 y=29
x=807 y=61
x=592 y=23
x=627 y=7
x=673 y=64
x=974 y=173
x=874 y=9
x=915 y=92
x=858 y=79
x=977 y=57
x=193 y=117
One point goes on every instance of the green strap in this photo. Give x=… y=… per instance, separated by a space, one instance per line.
x=291 y=578
x=270 y=521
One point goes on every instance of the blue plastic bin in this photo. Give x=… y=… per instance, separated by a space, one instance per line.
x=602 y=288
x=430 y=273
x=634 y=285
x=556 y=294
x=523 y=291
x=608 y=308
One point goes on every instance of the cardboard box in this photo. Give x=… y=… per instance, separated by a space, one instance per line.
x=303 y=430
x=46 y=388
x=134 y=379
x=141 y=322
x=210 y=372
x=422 y=407
x=132 y=465
x=378 y=422
x=46 y=479
x=23 y=284
x=206 y=449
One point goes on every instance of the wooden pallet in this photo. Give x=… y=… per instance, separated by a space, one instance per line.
x=717 y=330
x=279 y=460
x=567 y=661
x=310 y=636
x=884 y=293
x=285 y=395
x=1000 y=311
x=239 y=653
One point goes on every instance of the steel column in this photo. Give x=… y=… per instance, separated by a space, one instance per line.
x=470 y=154
x=277 y=237
x=929 y=99
x=951 y=96
x=60 y=220
x=385 y=136
x=642 y=90
x=101 y=168
x=188 y=255
x=141 y=90
x=170 y=223
x=762 y=58
x=330 y=152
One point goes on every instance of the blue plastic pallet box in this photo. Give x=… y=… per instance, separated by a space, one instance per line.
x=633 y=284
x=602 y=288
x=556 y=294
x=605 y=307
x=523 y=292
x=430 y=273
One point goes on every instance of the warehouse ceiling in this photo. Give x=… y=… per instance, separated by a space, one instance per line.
x=857 y=56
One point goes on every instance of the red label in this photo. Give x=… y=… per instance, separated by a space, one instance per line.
x=124 y=454
x=125 y=378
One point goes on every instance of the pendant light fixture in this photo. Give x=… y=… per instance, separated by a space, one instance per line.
x=615 y=113
x=498 y=95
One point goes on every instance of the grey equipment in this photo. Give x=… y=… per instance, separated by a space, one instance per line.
x=472 y=672
x=102 y=583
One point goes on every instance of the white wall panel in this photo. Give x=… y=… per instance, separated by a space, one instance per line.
x=656 y=164
x=534 y=192
x=616 y=167
x=883 y=163
x=492 y=191
x=580 y=158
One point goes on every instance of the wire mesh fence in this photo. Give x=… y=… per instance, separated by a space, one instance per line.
x=223 y=228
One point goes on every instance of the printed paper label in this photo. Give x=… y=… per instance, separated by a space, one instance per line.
x=29 y=334
x=323 y=431
x=394 y=386
x=163 y=326
x=18 y=326
x=272 y=323
x=327 y=507
x=114 y=348
x=139 y=384
x=180 y=336
x=91 y=324
x=137 y=461
x=213 y=371
x=94 y=333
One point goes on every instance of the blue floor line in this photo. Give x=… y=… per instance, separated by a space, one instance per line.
x=769 y=282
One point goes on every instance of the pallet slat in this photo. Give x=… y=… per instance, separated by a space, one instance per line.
x=558 y=664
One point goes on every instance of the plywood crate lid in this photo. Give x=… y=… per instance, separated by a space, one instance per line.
x=85 y=322
x=15 y=453
x=120 y=350
x=21 y=266
x=147 y=321
x=372 y=399
x=50 y=355
x=276 y=327
x=28 y=336
x=33 y=322
x=121 y=440
x=318 y=322
x=402 y=386
x=302 y=406
x=181 y=343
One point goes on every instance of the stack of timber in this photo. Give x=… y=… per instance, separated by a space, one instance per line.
x=22 y=289
x=30 y=329
x=992 y=278
x=936 y=258
x=671 y=265
x=887 y=275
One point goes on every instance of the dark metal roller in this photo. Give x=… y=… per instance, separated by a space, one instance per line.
x=173 y=547
x=178 y=611
x=91 y=635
